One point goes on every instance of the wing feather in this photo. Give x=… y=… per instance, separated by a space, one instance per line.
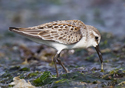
x=66 y=32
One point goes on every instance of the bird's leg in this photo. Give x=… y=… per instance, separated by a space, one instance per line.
x=58 y=59
x=54 y=60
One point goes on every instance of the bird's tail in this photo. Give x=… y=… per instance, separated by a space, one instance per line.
x=13 y=28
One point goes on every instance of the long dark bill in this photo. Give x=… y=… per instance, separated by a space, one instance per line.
x=100 y=56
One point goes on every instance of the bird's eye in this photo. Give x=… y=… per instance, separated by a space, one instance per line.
x=96 y=37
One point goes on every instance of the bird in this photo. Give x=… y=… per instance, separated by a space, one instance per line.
x=63 y=34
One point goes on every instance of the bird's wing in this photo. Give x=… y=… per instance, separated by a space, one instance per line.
x=66 y=32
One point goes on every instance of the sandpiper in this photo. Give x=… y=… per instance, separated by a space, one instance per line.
x=65 y=34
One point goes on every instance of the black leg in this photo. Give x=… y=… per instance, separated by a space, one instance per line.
x=54 y=60
x=58 y=59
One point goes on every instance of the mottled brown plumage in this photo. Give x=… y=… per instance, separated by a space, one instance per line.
x=66 y=32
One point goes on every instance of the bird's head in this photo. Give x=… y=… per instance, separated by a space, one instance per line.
x=93 y=36
x=93 y=39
